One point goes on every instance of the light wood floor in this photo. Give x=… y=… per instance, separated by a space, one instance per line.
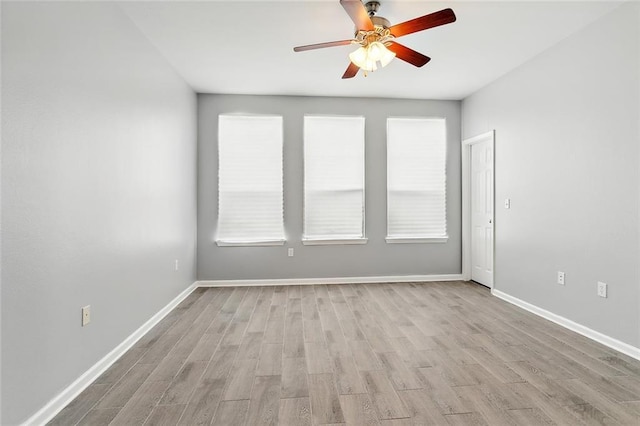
x=388 y=354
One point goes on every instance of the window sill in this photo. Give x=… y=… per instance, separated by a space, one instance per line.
x=417 y=240
x=250 y=243
x=337 y=241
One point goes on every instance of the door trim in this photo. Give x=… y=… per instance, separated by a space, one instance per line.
x=466 y=201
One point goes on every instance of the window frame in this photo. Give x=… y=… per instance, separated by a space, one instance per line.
x=418 y=239
x=314 y=241
x=257 y=242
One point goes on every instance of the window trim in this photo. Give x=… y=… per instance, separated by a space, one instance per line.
x=418 y=239
x=316 y=241
x=226 y=243
x=221 y=242
x=334 y=241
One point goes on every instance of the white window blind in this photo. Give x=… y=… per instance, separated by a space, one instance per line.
x=416 y=179
x=333 y=179
x=250 y=199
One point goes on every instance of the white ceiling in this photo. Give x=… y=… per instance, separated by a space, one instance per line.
x=247 y=47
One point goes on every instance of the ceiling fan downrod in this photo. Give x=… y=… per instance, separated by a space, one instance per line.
x=378 y=21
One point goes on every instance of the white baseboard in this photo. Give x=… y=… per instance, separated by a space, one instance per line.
x=618 y=345
x=46 y=413
x=337 y=280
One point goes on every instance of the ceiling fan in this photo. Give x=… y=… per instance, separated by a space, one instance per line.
x=376 y=37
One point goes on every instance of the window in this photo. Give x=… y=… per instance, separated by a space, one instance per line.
x=250 y=196
x=416 y=180
x=333 y=180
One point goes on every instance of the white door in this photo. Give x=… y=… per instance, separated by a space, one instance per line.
x=482 y=212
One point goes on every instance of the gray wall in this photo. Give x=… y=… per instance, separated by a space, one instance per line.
x=98 y=191
x=567 y=154
x=376 y=258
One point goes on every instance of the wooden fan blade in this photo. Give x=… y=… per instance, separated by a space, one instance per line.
x=358 y=14
x=445 y=16
x=408 y=55
x=351 y=71
x=321 y=45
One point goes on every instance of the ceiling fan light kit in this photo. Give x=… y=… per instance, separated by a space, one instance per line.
x=376 y=37
x=372 y=49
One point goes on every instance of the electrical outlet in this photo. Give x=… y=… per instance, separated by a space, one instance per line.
x=290 y=252
x=602 y=289
x=176 y=265
x=86 y=315
x=507 y=203
x=560 y=278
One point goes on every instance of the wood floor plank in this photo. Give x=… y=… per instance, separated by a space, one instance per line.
x=79 y=407
x=313 y=331
x=294 y=378
x=386 y=401
x=264 y=404
x=279 y=297
x=325 y=403
x=294 y=304
x=588 y=414
x=250 y=345
x=261 y=311
x=231 y=413
x=631 y=384
x=294 y=338
x=441 y=392
x=274 y=332
x=348 y=380
x=336 y=343
x=98 y=416
x=474 y=398
x=203 y=403
x=614 y=388
x=351 y=330
x=208 y=392
x=121 y=366
x=500 y=370
x=530 y=416
x=363 y=355
x=601 y=402
x=294 y=292
x=141 y=404
x=412 y=357
x=402 y=377
x=220 y=323
x=165 y=415
x=270 y=363
x=205 y=348
x=421 y=408
x=156 y=352
x=184 y=383
x=550 y=406
x=247 y=305
x=295 y=412
x=465 y=419
x=388 y=354
x=358 y=410
x=220 y=364
x=551 y=388
x=317 y=357
x=240 y=380
x=234 y=333
x=120 y=394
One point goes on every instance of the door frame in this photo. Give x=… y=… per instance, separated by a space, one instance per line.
x=466 y=202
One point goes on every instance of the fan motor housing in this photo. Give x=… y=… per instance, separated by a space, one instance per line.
x=379 y=21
